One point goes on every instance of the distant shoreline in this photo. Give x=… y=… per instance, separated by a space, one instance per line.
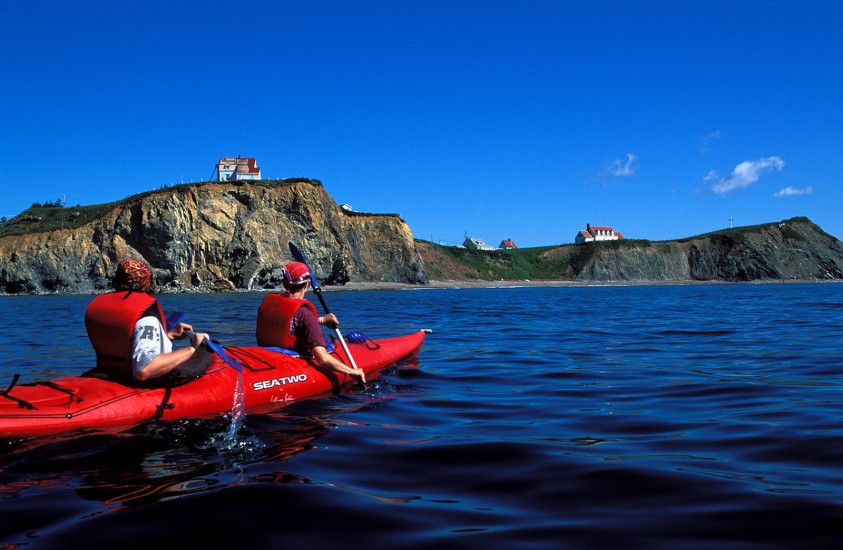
x=352 y=286
x=442 y=285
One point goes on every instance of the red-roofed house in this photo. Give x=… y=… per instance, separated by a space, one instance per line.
x=507 y=244
x=229 y=169
x=597 y=233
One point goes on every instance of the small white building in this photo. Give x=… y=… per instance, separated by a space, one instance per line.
x=507 y=244
x=476 y=244
x=232 y=169
x=593 y=233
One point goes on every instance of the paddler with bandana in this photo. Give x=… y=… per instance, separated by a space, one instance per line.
x=129 y=332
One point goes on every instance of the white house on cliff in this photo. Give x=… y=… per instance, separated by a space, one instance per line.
x=593 y=233
x=230 y=169
x=476 y=244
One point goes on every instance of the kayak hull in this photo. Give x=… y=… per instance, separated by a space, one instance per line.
x=270 y=380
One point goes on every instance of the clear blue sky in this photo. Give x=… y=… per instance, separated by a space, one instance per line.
x=518 y=119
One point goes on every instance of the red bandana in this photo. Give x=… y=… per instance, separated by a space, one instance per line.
x=133 y=275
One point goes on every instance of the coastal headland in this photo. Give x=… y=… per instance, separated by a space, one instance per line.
x=229 y=236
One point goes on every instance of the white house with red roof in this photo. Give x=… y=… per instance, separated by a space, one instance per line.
x=593 y=233
x=507 y=244
x=231 y=169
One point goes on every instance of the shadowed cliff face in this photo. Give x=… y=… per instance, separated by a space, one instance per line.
x=218 y=236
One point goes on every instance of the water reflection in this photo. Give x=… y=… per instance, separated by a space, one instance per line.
x=161 y=461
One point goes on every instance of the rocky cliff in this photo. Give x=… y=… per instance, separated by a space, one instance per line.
x=218 y=236
x=790 y=249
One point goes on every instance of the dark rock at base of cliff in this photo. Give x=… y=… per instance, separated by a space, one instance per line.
x=339 y=274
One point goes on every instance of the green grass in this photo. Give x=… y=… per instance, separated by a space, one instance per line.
x=40 y=218
x=515 y=264
x=739 y=234
x=734 y=233
x=558 y=262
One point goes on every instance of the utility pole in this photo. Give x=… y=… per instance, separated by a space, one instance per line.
x=730 y=221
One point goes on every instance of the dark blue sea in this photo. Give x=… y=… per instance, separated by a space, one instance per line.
x=700 y=416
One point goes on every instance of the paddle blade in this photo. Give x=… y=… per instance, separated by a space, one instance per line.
x=219 y=351
x=175 y=318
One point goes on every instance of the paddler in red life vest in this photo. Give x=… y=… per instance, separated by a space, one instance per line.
x=128 y=330
x=290 y=321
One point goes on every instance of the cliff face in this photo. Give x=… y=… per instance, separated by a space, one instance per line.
x=791 y=249
x=220 y=236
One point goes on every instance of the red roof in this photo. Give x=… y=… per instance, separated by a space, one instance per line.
x=251 y=165
x=247 y=165
x=509 y=244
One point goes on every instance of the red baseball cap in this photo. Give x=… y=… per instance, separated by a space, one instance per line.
x=295 y=273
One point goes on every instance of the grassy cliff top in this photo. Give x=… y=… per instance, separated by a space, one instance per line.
x=52 y=216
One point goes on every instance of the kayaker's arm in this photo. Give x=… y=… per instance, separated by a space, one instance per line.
x=325 y=359
x=165 y=362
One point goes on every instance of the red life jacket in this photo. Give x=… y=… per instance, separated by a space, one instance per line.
x=110 y=321
x=275 y=316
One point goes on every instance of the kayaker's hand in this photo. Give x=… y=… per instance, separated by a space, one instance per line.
x=197 y=338
x=180 y=331
x=358 y=374
x=329 y=320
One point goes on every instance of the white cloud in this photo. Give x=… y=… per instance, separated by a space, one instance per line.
x=790 y=191
x=744 y=174
x=711 y=176
x=621 y=168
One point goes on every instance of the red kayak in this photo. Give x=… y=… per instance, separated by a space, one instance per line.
x=270 y=380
